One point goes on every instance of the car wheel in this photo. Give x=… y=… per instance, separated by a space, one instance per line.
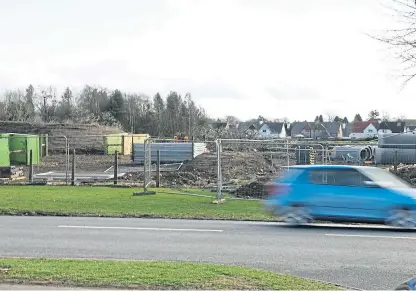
x=401 y=217
x=297 y=215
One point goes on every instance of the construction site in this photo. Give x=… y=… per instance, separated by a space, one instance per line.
x=245 y=166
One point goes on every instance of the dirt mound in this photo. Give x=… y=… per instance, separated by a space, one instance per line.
x=406 y=172
x=235 y=166
x=256 y=189
x=85 y=138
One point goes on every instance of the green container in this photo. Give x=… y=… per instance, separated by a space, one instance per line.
x=20 y=146
x=113 y=143
x=4 y=150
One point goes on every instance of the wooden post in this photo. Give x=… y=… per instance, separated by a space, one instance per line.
x=158 y=169
x=115 y=167
x=73 y=169
x=396 y=159
x=31 y=166
x=46 y=141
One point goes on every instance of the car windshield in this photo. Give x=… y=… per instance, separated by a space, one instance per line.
x=384 y=178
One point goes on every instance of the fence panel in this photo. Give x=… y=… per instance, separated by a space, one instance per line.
x=247 y=166
x=95 y=161
x=53 y=166
x=183 y=164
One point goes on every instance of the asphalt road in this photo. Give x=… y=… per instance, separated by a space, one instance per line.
x=362 y=257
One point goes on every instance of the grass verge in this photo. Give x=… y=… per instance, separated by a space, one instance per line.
x=119 y=202
x=148 y=275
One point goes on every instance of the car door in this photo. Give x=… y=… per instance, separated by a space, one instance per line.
x=326 y=199
x=339 y=192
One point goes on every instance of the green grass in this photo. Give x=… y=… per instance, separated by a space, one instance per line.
x=148 y=275
x=119 y=202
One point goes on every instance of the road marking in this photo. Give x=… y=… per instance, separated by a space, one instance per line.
x=371 y=236
x=140 y=228
x=44 y=174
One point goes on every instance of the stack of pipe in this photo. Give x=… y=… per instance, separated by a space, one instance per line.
x=396 y=148
x=352 y=153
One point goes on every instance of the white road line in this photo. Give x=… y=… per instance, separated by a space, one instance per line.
x=371 y=236
x=140 y=228
x=44 y=174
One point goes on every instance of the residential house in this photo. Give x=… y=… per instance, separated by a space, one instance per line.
x=316 y=130
x=273 y=130
x=410 y=125
x=364 y=130
x=391 y=127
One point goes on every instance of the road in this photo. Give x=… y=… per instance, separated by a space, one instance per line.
x=361 y=257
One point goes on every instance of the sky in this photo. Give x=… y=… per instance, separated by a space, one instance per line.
x=245 y=58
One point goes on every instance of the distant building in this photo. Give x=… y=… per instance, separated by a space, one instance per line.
x=316 y=130
x=391 y=127
x=364 y=130
x=273 y=130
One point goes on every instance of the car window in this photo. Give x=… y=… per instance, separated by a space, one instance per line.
x=338 y=177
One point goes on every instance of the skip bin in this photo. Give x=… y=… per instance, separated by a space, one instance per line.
x=4 y=150
x=129 y=140
x=20 y=146
x=113 y=143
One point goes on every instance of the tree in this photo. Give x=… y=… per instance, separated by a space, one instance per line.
x=64 y=110
x=357 y=118
x=321 y=118
x=373 y=115
x=385 y=116
x=116 y=105
x=345 y=120
x=317 y=118
x=337 y=119
x=402 y=40
x=159 y=109
x=29 y=102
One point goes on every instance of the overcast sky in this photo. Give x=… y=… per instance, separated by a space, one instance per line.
x=276 y=58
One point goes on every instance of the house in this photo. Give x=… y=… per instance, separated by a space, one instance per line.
x=273 y=130
x=316 y=130
x=364 y=130
x=391 y=127
x=410 y=125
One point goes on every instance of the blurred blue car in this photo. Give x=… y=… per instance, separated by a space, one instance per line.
x=408 y=285
x=343 y=194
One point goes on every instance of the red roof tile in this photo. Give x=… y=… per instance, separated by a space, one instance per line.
x=359 y=126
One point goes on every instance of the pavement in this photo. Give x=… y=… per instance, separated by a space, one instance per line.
x=357 y=256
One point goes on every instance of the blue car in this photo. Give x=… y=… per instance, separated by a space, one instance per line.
x=343 y=194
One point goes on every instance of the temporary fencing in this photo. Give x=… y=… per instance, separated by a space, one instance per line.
x=230 y=168
x=247 y=166
x=176 y=163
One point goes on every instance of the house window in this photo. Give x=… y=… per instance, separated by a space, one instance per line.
x=264 y=130
x=370 y=130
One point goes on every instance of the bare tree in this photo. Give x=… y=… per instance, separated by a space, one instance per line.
x=402 y=41
x=330 y=117
x=385 y=116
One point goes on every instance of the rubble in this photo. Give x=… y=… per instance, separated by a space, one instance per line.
x=406 y=172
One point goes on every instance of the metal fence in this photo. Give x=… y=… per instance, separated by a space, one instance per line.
x=246 y=166
x=177 y=164
x=231 y=168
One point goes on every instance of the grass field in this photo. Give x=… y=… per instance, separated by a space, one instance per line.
x=119 y=202
x=147 y=275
